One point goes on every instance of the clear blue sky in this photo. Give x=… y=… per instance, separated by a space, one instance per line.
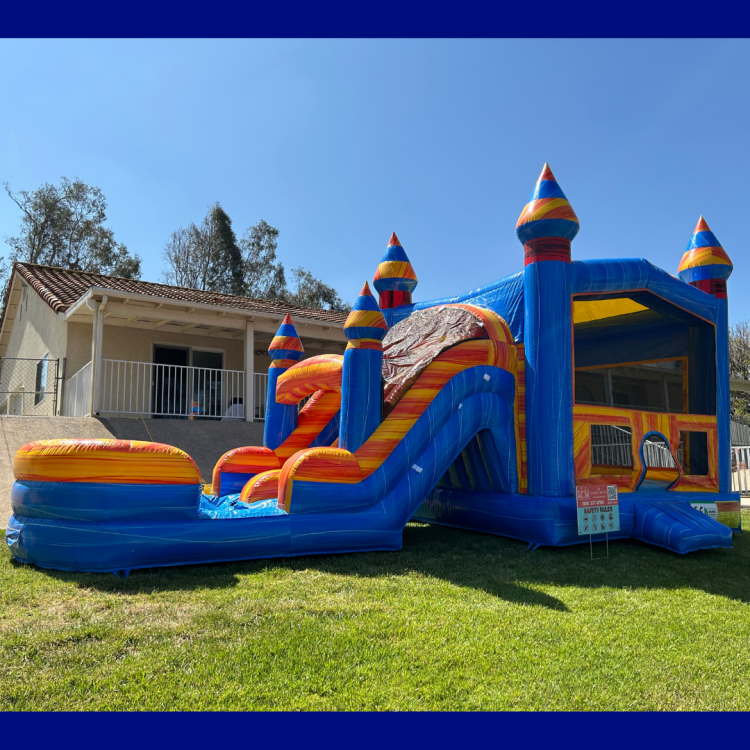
x=339 y=143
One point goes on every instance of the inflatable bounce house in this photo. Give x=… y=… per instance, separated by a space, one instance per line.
x=484 y=411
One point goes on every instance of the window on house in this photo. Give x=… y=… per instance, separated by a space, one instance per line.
x=40 y=387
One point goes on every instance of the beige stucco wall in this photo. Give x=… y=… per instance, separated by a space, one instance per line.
x=36 y=331
x=137 y=345
x=78 y=351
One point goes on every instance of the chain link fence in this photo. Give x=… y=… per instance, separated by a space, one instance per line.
x=29 y=387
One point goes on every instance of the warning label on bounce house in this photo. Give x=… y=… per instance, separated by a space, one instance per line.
x=598 y=509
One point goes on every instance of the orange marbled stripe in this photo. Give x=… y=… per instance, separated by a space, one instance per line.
x=255 y=459
x=107 y=461
x=262 y=486
x=250 y=459
x=547 y=208
x=320 y=373
x=582 y=449
x=704 y=256
x=315 y=415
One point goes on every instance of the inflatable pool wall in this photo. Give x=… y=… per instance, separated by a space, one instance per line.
x=461 y=411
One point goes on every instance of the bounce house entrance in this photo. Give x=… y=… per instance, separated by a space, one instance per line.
x=477 y=468
x=660 y=469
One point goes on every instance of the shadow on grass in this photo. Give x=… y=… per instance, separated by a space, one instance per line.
x=504 y=568
x=498 y=566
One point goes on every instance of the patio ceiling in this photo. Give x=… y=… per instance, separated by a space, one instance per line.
x=153 y=313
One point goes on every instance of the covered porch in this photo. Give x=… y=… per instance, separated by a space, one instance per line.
x=132 y=354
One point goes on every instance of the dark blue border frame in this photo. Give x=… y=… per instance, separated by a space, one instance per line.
x=389 y=729
x=389 y=19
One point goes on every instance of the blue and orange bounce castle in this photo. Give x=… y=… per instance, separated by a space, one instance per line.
x=483 y=411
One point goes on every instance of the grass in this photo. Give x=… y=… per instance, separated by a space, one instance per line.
x=455 y=620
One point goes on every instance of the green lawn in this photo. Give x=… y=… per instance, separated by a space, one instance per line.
x=455 y=620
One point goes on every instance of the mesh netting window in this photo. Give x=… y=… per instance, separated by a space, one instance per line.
x=611 y=446
x=654 y=386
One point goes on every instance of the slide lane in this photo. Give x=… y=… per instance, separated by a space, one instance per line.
x=329 y=480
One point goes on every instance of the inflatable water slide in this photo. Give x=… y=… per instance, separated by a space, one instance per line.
x=487 y=411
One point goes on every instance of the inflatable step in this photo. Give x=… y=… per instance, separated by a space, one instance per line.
x=675 y=525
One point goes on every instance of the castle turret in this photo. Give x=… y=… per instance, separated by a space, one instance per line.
x=395 y=279
x=546 y=227
x=361 y=388
x=706 y=266
x=285 y=350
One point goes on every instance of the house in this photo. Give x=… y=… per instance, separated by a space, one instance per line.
x=74 y=343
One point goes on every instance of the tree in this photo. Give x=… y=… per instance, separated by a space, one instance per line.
x=227 y=272
x=739 y=366
x=265 y=277
x=206 y=257
x=312 y=292
x=186 y=266
x=63 y=225
x=209 y=257
x=264 y=273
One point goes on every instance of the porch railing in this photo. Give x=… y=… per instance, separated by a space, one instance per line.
x=740 y=472
x=260 y=388
x=165 y=391
x=78 y=392
x=170 y=390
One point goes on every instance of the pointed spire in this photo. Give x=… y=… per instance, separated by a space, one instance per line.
x=366 y=320
x=546 y=173
x=704 y=258
x=394 y=279
x=286 y=346
x=701 y=226
x=548 y=213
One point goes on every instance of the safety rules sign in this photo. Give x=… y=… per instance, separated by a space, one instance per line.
x=598 y=509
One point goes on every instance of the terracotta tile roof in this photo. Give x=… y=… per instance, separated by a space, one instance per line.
x=61 y=287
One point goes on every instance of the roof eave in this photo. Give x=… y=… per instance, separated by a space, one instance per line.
x=5 y=319
x=95 y=292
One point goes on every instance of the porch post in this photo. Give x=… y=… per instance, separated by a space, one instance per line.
x=249 y=371
x=96 y=356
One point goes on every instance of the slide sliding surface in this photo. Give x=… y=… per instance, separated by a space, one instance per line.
x=314 y=480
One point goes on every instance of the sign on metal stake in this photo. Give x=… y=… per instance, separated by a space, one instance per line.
x=598 y=512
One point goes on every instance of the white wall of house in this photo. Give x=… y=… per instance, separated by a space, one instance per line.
x=36 y=331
